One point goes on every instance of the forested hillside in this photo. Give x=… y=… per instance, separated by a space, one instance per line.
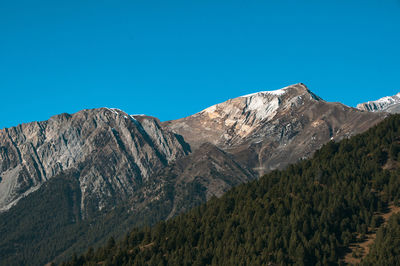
x=386 y=249
x=47 y=224
x=305 y=215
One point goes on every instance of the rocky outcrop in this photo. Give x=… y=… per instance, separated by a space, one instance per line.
x=207 y=172
x=113 y=152
x=390 y=104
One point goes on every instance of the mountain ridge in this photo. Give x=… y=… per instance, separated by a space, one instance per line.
x=389 y=104
x=39 y=150
x=262 y=122
x=136 y=170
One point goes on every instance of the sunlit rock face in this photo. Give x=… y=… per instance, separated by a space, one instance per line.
x=270 y=129
x=113 y=152
x=390 y=104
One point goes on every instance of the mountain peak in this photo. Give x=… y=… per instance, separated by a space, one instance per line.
x=261 y=105
x=389 y=104
x=230 y=122
x=275 y=92
x=294 y=90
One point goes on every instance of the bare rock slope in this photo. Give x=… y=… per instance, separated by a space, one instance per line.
x=271 y=129
x=114 y=153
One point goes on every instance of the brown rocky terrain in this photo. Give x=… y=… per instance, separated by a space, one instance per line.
x=269 y=130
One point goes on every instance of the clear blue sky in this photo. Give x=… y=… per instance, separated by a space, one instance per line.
x=173 y=58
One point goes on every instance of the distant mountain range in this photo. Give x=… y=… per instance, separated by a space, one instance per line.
x=113 y=170
x=390 y=104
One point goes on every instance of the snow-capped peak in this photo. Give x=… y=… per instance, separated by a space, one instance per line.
x=275 y=92
x=387 y=104
x=250 y=109
x=389 y=99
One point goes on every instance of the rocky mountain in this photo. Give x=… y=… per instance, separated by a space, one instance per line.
x=390 y=104
x=97 y=172
x=74 y=180
x=271 y=129
x=114 y=153
x=207 y=172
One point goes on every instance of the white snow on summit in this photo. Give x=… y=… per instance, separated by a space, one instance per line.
x=388 y=99
x=263 y=107
x=383 y=104
x=114 y=110
x=259 y=106
x=275 y=92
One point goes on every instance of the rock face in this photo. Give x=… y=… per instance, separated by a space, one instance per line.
x=390 y=104
x=113 y=152
x=269 y=130
x=207 y=172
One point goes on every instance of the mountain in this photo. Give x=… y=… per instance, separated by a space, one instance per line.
x=207 y=172
x=311 y=213
x=74 y=180
x=271 y=129
x=390 y=104
x=113 y=152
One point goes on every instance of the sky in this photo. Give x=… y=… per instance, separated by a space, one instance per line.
x=171 y=59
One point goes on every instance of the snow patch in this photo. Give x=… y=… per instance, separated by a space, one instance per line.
x=114 y=110
x=119 y=111
x=262 y=107
x=381 y=104
x=388 y=99
x=133 y=119
x=210 y=109
x=263 y=93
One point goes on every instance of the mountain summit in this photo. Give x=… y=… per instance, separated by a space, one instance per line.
x=228 y=123
x=270 y=129
x=390 y=104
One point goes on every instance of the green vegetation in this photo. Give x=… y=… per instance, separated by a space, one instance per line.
x=47 y=225
x=25 y=223
x=305 y=215
x=386 y=249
